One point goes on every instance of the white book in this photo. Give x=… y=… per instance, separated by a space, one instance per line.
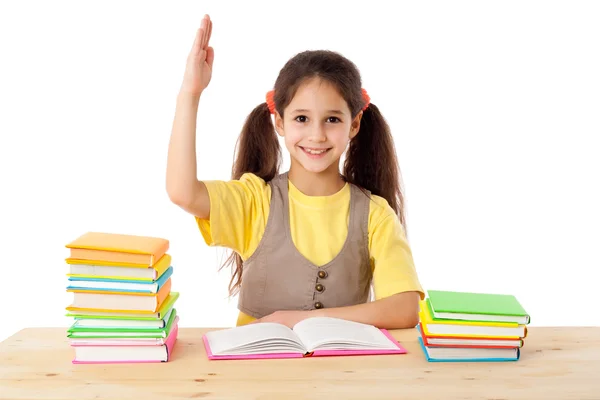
x=105 y=270
x=121 y=323
x=124 y=350
x=318 y=336
x=151 y=287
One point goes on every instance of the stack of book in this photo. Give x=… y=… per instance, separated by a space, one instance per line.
x=464 y=326
x=123 y=306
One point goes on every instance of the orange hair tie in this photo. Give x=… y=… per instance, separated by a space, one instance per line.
x=366 y=98
x=271 y=100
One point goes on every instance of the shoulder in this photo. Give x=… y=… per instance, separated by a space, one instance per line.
x=254 y=182
x=249 y=184
x=380 y=211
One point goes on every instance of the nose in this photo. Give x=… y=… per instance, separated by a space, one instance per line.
x=318 y=134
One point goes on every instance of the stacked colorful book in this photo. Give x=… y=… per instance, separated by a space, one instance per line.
x=464 y=326
x=123 y=306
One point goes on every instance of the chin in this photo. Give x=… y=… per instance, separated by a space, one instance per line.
x=320 y=166
x=315 y=169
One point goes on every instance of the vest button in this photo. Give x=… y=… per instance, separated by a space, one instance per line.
x=318 y=304
x=319 y=287
x=322 y=274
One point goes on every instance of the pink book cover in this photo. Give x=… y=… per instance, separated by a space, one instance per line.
x=169 y=343
x=318 y=353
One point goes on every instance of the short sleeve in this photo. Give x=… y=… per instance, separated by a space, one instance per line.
x=393 y=266
x=238 y=213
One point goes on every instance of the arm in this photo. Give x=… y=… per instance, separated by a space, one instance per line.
x=183 y=187
x=182 y=184
x=397 y=311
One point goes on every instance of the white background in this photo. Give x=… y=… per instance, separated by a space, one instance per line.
x=494 y=107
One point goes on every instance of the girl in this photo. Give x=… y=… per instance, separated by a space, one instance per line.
x=310 y=241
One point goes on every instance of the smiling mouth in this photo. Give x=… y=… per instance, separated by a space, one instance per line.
x=311 y=151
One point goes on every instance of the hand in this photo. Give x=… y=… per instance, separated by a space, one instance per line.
x=287 y=318
x=198 y=69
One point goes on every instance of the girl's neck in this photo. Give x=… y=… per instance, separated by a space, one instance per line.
x=324 y=183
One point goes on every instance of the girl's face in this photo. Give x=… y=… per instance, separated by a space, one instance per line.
x=317 y=126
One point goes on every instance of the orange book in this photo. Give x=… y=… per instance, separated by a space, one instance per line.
x=121 y=248
x=465 y=341
x=124 y=302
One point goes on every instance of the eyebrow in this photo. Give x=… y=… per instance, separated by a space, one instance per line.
x=328 y=111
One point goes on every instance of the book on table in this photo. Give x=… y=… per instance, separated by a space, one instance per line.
x=317 y=336
x=98 y=269
x=118 y=248
x=464 y=354
x=482 y=329
x=122 y=304
x=104 y=323
x=469 y=306
x=466 y=326
x=126 y=330
x=120 y=301
x=93 y=313
x=107 y=350
x=466 y=341
x=112 y=284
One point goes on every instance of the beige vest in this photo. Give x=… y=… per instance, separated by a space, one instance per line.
x=278 y=277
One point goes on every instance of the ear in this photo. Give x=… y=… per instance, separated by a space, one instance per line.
x=355 y=127
x=279 y=124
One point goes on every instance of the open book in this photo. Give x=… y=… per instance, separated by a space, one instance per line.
x=319 y=336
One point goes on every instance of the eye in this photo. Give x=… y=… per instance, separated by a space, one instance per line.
x=300 y=116
x=335 y=118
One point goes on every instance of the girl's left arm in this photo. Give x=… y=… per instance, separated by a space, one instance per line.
x=394 y=312
x=397 y=311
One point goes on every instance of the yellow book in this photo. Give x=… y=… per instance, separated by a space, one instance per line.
x=165 y=306
x=120 y=248
x=474 y=329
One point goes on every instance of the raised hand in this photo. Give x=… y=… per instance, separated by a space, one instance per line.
x=198 y=70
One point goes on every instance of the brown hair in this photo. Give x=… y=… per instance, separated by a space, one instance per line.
x=370 y=162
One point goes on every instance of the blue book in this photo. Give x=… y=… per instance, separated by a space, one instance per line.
x=468 y=354
x=120 y=285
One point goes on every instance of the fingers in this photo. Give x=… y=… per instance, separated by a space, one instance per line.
x=203 y=35
x=199 y=48
x=205 y=26
x=209 y=30
x=196 y=45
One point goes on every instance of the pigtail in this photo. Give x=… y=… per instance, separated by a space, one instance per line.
x=371 y=161
x=258 y=149
x=257 y=152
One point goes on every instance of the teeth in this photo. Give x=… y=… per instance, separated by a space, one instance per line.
x=315 y=151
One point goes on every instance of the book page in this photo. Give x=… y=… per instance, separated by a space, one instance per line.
x=259 y=338
x=325 y=333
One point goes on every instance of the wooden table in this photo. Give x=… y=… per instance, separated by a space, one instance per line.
x=556 y=363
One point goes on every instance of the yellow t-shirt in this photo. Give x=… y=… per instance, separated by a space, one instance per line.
x=239 y=210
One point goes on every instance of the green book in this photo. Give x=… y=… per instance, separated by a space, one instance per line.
x=486 y=307
x=124 y=332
